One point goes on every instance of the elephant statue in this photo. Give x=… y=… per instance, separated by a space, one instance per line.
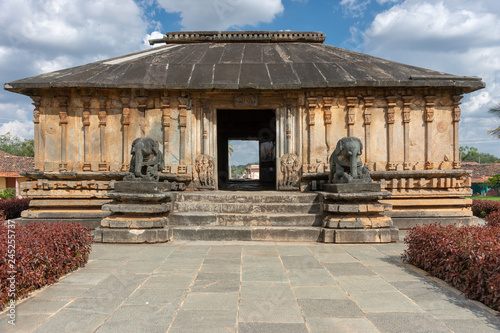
x=146 y=161
x=345 y=164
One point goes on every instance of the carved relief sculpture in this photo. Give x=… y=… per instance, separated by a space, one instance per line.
x=290 y=168
x=204 y=166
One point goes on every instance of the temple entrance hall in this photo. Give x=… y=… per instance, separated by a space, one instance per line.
x=255 y=125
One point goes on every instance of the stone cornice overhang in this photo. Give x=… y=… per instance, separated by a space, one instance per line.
x=205 y=61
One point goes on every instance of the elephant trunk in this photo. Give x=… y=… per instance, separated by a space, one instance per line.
x=354 y=165
x=138 y=163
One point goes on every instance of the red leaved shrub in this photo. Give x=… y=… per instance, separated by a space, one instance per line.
x=482 y=208
x=43 y=252
x=493 y=219
x=468 y=258
x=12 y=208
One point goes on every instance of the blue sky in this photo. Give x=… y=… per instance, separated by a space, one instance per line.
x=460 y=37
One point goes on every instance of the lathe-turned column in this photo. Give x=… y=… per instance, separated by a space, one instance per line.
x=86 y=136
x=36 y=125
x=63 y=122
x=165 y=108
x=352 y=104
x=406 y=129
x=327 y=113
x=367 y=115
x=103 y=165
x=456 y=120
x=391 y=111
x=311 y=103
x=182 y=124
x=429 y=118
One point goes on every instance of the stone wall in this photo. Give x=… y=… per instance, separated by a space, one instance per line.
x=83 y=137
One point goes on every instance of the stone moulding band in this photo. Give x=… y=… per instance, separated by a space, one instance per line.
x=240 y=36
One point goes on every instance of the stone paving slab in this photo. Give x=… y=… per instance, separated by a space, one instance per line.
x=249 y=287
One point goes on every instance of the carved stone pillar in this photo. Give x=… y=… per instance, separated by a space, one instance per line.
x=63 y=121
x=406 y=129
x=391 y=111
x=367 y=122
x=289 y=127
x=204 y=125
x=103 y=166
x=456 y=120
x=327 y=113
x=36 y=123
x=165 y=107
x=429 y=118
x=182 y=124
x=311 y=103
x=126 y=148
x=141 y=106
x=86 y=137
x=352 y=103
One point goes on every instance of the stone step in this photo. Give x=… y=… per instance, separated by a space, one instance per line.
x=247 y=197
x=247 y=208
x=254 y=233
x=228 y=219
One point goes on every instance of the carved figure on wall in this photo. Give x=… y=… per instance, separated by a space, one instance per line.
x=204 y=166
x=345 y=164
x=146 y=161
x=290 y=167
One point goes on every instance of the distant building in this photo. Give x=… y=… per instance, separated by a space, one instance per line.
x=480 y=175
x=252 y=172
x=10 y=167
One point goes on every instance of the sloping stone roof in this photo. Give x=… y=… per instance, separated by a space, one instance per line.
x=245 y=60
x=481 y=172
x=11 y=166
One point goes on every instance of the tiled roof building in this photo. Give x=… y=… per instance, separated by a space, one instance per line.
x=10 y=167
x=481 y=172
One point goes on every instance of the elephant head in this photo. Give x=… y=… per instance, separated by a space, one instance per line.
x=346 y=157
x=147 y=159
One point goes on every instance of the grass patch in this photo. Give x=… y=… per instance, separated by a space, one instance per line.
x=485 y=198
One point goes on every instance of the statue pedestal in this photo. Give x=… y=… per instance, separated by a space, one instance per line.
x=139 y=213
x=353 y=214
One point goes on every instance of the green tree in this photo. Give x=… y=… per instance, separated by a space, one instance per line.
x=494 y=181
x=472 y=154
x=495 y=132
x=16 y=146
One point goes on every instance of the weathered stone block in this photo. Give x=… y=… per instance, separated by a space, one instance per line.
x=286 y=234
x=141 y=187
x=132 y=222
x=381 y=222
x=352 y=187
x=328 y=235
x=363 y=236
x=138 y=208
x=133 y=236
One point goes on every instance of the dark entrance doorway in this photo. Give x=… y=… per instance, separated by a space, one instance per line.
x=259 y=125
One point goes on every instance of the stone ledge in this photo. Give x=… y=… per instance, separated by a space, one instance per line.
x=354 y=236
x=134 y=222
x=104 y=235
x=137 y=208
x=363 y=196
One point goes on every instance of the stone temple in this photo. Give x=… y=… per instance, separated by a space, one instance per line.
x=288 y=90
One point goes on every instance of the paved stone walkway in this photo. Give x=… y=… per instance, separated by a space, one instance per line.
x=248 y=287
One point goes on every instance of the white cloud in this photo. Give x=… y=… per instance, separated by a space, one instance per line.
x=454 y=36
x=354 y=8
x=44 y=36
x=222 y=14
x=153 y=35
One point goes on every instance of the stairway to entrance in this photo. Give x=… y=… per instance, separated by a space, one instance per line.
x=256 y=216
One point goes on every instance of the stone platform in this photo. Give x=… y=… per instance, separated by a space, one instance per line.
x=139 y=213
x=353 y=213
